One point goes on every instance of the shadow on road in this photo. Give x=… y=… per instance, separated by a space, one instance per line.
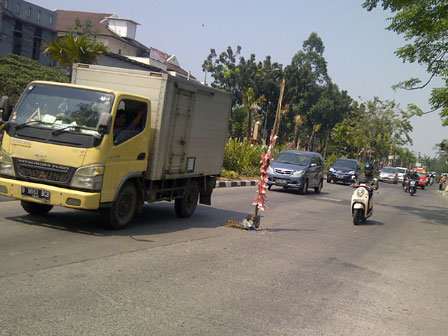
x=431 y=215
x=157 y=218
x=370 y=222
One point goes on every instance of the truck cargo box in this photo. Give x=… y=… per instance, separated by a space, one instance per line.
x=188 y=120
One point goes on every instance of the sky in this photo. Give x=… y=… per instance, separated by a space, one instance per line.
x=358 y=49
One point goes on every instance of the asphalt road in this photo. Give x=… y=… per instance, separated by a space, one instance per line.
x=308 y=272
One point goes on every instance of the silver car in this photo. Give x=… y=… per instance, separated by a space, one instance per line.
x=389 y=174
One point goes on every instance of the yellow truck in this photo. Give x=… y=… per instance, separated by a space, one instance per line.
x=112 y=140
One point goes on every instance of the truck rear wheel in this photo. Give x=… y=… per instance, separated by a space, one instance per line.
x=123 y=208
x=36 y=209
x=186 y=205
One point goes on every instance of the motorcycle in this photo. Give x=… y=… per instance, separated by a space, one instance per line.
x=412 y=187
x=360 y=203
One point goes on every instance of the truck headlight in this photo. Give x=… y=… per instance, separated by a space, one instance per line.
x=271 y=170
x=298 y=173
x=6 y=164
x=89 y=177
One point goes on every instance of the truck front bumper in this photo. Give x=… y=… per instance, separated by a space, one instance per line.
x=51 y=195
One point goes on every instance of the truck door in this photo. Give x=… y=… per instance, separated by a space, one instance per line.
x=180 y=131
x=128 y=152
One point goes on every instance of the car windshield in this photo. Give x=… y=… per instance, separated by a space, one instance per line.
x=421 y=174
x=401 y=170
x=293 y=158
x=345 y=164
x=57 y=107
x=388 y=170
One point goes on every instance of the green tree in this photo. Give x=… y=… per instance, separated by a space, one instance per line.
x=78 y=46
x=424 y=25
x=16 y=72
x=252 y=104
x=375 y=124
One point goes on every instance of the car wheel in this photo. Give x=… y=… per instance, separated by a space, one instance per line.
x=304 y=188
x=328 y=180
x=319 y=187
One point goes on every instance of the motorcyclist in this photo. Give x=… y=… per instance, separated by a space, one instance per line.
x=413 y=177
x=442 y=181
x=369 y=180
x=406 y=177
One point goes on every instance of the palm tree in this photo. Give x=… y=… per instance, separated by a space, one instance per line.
x=298 y=121
x=75 y=49
x=251 y=104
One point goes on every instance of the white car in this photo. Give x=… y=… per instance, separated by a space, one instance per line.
x=400 y=173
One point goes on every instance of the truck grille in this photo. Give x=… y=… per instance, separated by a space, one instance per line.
x=43 y=171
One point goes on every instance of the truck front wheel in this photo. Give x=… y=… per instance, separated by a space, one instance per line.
x=36 y=209
x=186 y=205
x=123 y=208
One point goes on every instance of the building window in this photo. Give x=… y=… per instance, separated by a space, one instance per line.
x=17 y=39
x=51 y=19
x=29 y=11
x=37 y=42
x=18 y=8
x=38 y=15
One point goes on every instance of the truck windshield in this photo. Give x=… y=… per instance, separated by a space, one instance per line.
x=57 y=107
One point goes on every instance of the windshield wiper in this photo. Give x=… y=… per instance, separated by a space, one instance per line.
x=19 y=126
x=66 y=128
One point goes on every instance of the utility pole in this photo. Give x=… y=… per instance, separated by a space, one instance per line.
x=279 y=108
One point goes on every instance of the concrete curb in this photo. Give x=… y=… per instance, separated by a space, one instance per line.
x=226 y=184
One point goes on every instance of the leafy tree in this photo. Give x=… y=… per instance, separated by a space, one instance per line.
x=377 y=125
x=232 y=72
x=78 y=46
x=17 y=72
x=424 y=25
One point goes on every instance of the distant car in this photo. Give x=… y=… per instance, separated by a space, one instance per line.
x=297 y=170
x=400 y=173
x=389 y=174
x=343 y=170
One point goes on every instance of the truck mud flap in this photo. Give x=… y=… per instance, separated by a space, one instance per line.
x=207 y=184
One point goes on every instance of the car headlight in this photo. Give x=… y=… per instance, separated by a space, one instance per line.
x=351 y=172
x=271 y=170
x=89 y=177
x=298 y=173
x=6 y=164
x=360 y=192
x=332 y=169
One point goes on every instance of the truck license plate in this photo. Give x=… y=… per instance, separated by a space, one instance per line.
x=36 y=193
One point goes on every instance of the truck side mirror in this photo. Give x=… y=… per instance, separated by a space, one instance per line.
x=5 y=108
x=104 y=123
